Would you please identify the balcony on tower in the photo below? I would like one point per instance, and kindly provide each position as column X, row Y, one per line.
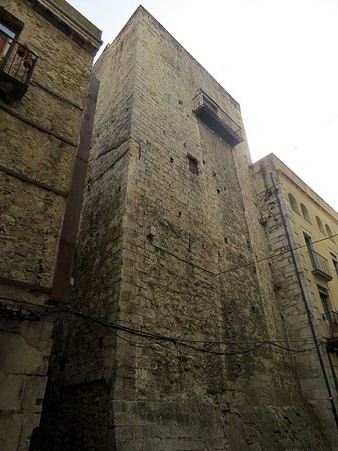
column 217, row 119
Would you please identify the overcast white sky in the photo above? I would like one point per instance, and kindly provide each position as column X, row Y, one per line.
column 278, row 58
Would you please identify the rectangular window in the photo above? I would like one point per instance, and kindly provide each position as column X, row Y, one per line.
column 334, row 261
column 329, row 314
column 325, row 300
column 10, row 28
column 6, row 38
column 309, row 245
column 17, row 61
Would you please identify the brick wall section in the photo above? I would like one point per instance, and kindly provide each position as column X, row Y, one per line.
column 154, row 238
column 39, row 136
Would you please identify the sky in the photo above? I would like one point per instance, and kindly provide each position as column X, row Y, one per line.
column 277, row 58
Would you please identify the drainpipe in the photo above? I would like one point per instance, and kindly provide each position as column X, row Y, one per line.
column 308, row 313
column 70, row 226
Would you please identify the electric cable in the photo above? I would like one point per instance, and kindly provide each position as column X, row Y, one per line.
column 177, row 341
column 236, row 268
column 154, row 336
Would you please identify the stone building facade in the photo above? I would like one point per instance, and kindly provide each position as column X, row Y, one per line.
column 174, row 346
column 306, row 280
column 46, row 54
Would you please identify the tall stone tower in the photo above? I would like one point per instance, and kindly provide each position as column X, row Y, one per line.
column 169, row 235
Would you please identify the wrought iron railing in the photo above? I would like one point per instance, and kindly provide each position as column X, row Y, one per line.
column 331, row 319
column 320, row 265
column 18, row 61
column 202, row 103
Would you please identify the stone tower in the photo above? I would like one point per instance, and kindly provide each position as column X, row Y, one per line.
column 169, row 233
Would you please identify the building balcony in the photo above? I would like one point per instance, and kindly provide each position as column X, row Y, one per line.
column 331, row 320
column 217, row 119
column 17, row 64
column 320, row 266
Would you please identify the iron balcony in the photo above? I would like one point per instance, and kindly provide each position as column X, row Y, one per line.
column 331, row 319
column 16, row 68
column 320, row 266
column 217, row 119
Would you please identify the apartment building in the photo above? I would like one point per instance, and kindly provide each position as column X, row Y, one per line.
column 305, row 278
column 46, row 54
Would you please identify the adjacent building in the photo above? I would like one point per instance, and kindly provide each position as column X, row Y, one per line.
column 46, row 54
column 306, row 279
column 180, row 340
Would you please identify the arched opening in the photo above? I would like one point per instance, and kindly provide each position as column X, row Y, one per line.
column 305, row 213
column 329, row 233
column 320, row 225
column 293, row 203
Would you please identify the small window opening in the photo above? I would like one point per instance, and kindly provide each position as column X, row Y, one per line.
column 293, row 203
column 62, row 364
column 193, row 165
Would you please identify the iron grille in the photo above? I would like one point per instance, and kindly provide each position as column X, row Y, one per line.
column 320, row 265
column 18, row 62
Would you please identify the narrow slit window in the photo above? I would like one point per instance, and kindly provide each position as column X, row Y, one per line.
column 193, row 165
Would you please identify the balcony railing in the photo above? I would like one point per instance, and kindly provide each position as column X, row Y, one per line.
column 331, row 319
column 16, row 68
column 320, row 266
column 217, row 119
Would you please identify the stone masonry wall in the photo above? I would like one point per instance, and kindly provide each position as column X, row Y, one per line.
column 39, row 135
column 83, row 364
column 54, row 101
column 157, row 251
column 289, row 293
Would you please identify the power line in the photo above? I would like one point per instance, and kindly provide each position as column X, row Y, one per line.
column 276, row 255
column 253, row 262
column 179, row 342
column 158, row 337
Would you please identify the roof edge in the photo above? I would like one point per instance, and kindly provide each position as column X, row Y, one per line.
column 62, row 11
column 298, row 181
